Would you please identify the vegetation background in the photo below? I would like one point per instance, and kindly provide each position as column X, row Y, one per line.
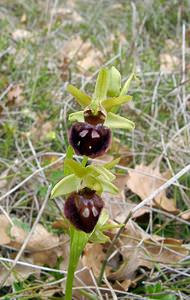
column 43, row 46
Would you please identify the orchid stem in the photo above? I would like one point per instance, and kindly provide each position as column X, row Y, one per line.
column 78, row 240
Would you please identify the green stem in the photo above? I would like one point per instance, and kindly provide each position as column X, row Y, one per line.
column 78, row 240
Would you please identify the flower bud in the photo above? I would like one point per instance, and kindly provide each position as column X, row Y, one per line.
column 90, row 140
column 83, row 209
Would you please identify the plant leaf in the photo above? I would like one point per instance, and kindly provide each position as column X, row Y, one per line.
column 114, row 83
column 109, row 103
column 65, row 186
column 77, row 116
column 127, row 84
column 116, row 121
column 82, row 98
column 102, row 84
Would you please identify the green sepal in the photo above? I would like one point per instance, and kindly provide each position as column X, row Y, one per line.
column 114, row 83
column 107, row 186
column 109, row 103
column 102, row 84
column 116, row 121
column 127, row 84
column 75, row 167
column 93, row 183
column 100, row 170
column 97, row 235
column 66, row 185
column 77, row 116
column 69, row 154
column 112, row 164
column 82, row 98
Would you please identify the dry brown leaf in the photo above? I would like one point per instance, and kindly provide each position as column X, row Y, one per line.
column 15, row 96
column 93, row 257
column 138, row 249
column 168, row 63
column 85, row 53
column 186, row 215
column 141, row 249
column 144, row 180
column 40, row 240
column 20, row 274
column 42, row 248
column 117, row 205
column 21, row 34
column 4, row 227
column 141, row 214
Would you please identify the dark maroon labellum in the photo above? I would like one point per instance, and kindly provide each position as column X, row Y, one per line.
column 89, row 140
column 92, row 119
column 83, row 209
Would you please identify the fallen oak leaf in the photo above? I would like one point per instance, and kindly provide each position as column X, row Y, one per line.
column 40, row 240
column 4, row 225
column 93, row 257
column 84, row 52
column 15, row 96
column 140, row 249
column 185, row 215
column 143, row 180
column 20, row 274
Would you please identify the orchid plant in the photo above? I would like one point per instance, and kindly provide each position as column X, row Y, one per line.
column 83, row 184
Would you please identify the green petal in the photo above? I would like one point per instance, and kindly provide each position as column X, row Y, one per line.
column 114, row 82
column 65, row 186
column 127, row 84
column 77, row 116
column 109, row 103
column 116, row 121
column 82, row 98
column 102, row 84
